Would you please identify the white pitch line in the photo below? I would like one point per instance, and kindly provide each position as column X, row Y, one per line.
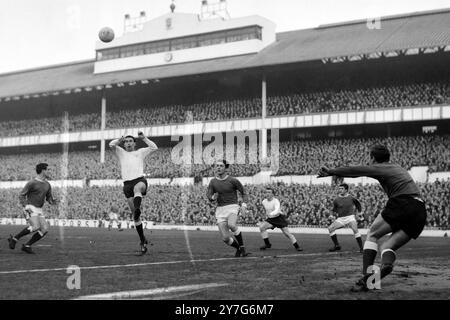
column 149, row 292
column 176, row 262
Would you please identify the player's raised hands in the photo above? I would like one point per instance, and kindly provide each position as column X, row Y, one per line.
column 141, row 135
column 323, row 172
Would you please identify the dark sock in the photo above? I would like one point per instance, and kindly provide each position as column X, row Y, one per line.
column 234, row 244
column 360, row 244
column 295, row 244
column 36, row 237
column 267, row 242
column 335, row 240
column 140, row 231
column 22, row 233
column 387, row 263
column 239, row 239
column 369, row 256
column 137, row 202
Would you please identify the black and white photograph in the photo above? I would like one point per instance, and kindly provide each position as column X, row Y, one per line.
column 224, row 157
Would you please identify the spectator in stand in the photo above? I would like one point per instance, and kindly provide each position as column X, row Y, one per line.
column 305, row 205
column 301, row 157
column 329, row 100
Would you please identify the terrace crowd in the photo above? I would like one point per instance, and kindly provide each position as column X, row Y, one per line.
column 305, row 205
column 302, row 157
column 301, row 102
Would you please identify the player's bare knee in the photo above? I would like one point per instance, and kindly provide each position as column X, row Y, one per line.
column 372, row 237
column 226, row 239
column 44, row 229
column 373, row 234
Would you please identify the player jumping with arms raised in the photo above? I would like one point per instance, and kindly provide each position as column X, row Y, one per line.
column 404, row 215
column 134, row 183
column 223, row 188
column 32, row 198
column 345, row 206
column 275, row 219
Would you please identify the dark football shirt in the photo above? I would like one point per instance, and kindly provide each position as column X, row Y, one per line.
column 227, row 190
column 395, row 180
column 35, row 193
column 346, row 206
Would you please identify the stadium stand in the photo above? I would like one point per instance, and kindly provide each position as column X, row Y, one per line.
column 393, row 96
column 305, row 205
column 302, row 157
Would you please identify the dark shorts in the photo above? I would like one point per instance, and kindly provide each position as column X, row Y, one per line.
column 405, row 213
column 278, row 222
column 128, row 187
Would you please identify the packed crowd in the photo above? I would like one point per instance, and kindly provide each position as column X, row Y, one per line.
column 296, row 158
column 304, row 157
column 360, row 99
column 286, row 104
column 304, row 205
column 29, row 127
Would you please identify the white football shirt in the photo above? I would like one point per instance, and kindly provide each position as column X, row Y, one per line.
column 132, row 163
column 273, row 208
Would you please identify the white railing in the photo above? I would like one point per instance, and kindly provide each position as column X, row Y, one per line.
column 421, row 113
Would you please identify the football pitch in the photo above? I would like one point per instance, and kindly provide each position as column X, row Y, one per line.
column 198, row 265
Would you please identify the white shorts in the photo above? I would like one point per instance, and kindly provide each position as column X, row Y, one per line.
column 345, row 221
column 224, row 213
column 35, row 212
column 113, row 216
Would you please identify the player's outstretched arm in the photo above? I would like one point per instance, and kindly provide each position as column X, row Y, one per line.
column 323, row 172
column 349, row 172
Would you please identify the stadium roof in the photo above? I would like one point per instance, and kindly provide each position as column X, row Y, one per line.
column 429, row 29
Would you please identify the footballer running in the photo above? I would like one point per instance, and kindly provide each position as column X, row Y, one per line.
column 223, row 188
column 32, row 198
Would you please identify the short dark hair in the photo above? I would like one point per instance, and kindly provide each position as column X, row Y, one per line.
column 380, row 153
column 227, row 165
column 129, row 136
column 271, row 189
column 344, row 185
column 40, row 167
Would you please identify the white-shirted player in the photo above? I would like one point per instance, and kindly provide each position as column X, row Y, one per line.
column 134, row 183
column 275, row 219
column 114, row 217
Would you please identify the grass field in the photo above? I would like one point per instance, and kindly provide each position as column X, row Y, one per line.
column 109, row 264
